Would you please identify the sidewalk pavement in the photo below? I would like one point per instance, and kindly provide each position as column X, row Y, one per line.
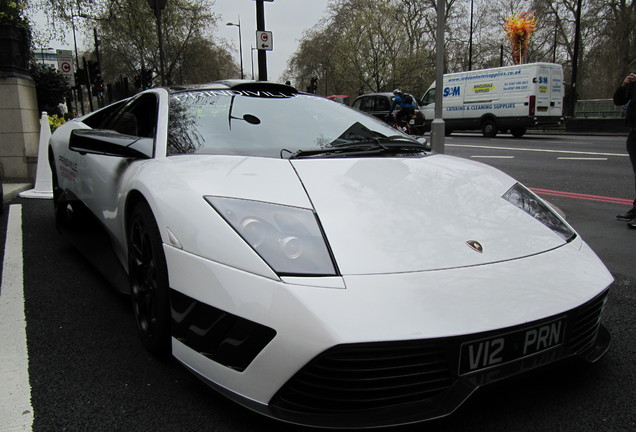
column 11, row 190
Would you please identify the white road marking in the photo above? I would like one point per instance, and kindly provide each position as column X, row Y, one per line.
column 539, row 150
column 583, row 158
column 492, row 157
column 16, row 411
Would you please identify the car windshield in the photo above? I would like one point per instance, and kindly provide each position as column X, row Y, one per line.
column 267, row 124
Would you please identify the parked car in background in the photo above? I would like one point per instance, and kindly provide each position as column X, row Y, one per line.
column 379, row 104
column 343, row 99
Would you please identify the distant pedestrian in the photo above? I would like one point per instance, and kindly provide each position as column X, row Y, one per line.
column 626, row 94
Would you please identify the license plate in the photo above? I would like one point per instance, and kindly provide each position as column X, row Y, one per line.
column 542, row 109
column 497, row 350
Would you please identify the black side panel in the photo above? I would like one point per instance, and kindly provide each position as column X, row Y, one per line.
column 220, row 336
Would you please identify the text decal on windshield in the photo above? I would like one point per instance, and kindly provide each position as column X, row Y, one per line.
column 198, row 95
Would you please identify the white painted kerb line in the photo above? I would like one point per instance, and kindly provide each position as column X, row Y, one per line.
column 491, row 157
column 16, row 412
column 539, row 150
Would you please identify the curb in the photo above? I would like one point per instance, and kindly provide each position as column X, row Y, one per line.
column 11, row 190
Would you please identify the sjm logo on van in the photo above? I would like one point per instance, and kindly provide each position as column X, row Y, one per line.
column 452, row 91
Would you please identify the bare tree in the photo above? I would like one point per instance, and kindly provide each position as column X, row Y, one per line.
column 128, row 37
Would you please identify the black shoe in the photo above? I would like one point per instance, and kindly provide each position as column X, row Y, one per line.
column 629, row 216
column 632, row 223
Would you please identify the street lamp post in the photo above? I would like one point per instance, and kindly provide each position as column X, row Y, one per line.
column 157, row 6
column 252, row 59
column 438, row 128
column 240, row 42
column 470, row 42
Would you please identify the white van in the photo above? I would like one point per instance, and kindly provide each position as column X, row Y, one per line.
column 499, row 99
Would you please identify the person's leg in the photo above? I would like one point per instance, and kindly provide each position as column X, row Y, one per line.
column 631, row 150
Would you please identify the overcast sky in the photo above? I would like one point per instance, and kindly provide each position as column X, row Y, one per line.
column 286, row 19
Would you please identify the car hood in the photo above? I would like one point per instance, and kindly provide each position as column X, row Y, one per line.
column 379, row 215
column 393, row 215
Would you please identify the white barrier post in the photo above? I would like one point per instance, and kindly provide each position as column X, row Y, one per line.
column 43, row 177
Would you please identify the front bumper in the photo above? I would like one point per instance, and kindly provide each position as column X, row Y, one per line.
column 392, row 383
column 377, row 350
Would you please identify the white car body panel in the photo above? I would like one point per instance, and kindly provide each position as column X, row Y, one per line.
column 416, row 305
column 379, row 214
column 349, row 195
column 185, row 180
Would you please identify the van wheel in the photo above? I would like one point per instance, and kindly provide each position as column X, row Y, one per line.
column 518, row 132
column 489, row 128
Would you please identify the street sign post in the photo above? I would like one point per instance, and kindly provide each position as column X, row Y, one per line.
column 65, row 65
column 264, row 40
column 262, row 51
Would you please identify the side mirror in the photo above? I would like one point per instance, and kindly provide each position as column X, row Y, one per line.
column 422, row 140
column 110, row 143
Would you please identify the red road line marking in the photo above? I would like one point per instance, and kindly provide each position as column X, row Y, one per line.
column 582, row 196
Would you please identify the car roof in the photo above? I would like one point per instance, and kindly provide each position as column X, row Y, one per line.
column 376, row 94
column 387, row 94
column 235, row 84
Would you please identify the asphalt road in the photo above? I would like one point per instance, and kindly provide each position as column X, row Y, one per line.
column 88, row 371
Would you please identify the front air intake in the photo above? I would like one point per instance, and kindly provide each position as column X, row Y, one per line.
column 370, row 376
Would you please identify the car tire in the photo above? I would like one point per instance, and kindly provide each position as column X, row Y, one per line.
column 148, row 275
column 518, row 132
column 489, row 128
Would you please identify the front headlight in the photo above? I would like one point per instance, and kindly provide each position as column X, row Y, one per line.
column 531, row 204
column 289, row 239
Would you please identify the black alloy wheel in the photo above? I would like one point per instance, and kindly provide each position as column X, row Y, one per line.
column 148, row 274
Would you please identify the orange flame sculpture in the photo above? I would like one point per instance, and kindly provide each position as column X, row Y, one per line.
column 519, row 30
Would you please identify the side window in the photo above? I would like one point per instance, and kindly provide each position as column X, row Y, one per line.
column 356, row 104
column 102, row 117
column 366, row 104
column 429, row 97
column 139, row 118
column 382, row 104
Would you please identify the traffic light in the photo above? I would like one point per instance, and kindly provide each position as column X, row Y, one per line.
column 138, row 81
column 80, row 77
column 93, row 70
column 147, row 79
column 99, row 85
column 314, row 85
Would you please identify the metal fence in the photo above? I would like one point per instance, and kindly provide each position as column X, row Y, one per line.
column 599, row 108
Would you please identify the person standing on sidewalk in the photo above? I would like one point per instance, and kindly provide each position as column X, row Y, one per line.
column 626, row 94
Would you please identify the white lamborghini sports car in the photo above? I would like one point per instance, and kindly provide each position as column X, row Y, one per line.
column 315, row 264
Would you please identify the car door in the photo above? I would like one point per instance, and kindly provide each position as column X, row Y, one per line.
column 103, row 177
column 382, row 105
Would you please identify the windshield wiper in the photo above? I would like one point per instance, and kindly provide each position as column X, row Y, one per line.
column 400, row 141
column 375, row 146
column 394, row 141
column 352, row 149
